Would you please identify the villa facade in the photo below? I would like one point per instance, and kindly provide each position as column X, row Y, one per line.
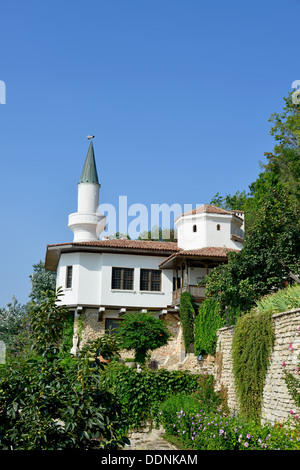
column 102, row 279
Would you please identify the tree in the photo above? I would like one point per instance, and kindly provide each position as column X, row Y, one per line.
column 119, row 235
column 142, row 332
column 11, row 323
column 47, row 322
column 41, row 281
column 159, row 234
column 281, row 170
column 286, row 128
column 270, row 251
column 231, row 202
column 48, row 404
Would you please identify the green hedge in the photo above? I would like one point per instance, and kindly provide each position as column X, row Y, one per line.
column 141, row 393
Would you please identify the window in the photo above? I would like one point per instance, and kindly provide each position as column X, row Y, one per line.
column 218, row 227
column 150, row 279
column 69, row 275
column 111, row 325
column 194, row 228
column 122, row 278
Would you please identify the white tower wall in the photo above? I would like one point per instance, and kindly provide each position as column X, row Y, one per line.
column 88, row 198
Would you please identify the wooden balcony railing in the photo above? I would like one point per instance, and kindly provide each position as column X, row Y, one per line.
column 196, row 291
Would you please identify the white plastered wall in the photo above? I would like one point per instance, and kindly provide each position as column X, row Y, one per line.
column 91, row 281
column 212, row 230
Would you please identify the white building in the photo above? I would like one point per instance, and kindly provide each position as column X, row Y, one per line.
column 106, row 278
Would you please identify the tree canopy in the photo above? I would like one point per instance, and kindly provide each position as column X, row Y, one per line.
column 271, row 248
column 41, row 281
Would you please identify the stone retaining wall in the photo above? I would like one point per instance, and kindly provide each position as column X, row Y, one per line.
column 277, row 403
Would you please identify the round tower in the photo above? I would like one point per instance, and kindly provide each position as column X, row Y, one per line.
column 87, row 223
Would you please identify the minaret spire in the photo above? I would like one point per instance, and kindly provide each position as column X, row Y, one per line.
column 89, row 172
column 87, row 223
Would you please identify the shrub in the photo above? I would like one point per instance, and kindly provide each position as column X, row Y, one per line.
column 185, row 406
column 141, row 393
column 177, row 413
column 192, row 426
column 142, row 332
column 46, row 406
column 283, row 300
column 50, row 403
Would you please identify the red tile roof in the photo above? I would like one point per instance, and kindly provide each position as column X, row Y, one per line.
column 208, row 209
column 125, row 243
column 216, row 251
column 207, row 252
column 155, row 248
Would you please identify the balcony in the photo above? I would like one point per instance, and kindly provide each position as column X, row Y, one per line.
column 196, row 291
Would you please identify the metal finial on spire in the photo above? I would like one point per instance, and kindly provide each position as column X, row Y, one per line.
column 90, row 137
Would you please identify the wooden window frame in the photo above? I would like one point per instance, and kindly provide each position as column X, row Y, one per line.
column 122, row 278
column 69, row 277
column 150, row 280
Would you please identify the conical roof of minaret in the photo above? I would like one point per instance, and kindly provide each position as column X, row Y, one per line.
column 89, row 172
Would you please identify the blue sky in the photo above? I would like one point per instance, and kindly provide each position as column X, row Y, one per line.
column 177, row 92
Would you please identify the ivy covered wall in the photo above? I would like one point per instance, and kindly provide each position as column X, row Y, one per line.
column 277, row 404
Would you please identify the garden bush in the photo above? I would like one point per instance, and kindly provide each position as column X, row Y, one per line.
column 203, row 398
column 141, row 393
column 283, row 300
column 47, row 406
column 190, row 425
column 142, row 332
column 50, row 402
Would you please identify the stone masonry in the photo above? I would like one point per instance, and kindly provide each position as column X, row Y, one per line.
column 277, row 403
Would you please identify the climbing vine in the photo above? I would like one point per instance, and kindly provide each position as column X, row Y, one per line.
column 207, row 323
column 253, row 341
column 187, row 319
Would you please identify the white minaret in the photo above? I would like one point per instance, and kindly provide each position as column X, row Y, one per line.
column 87, row 223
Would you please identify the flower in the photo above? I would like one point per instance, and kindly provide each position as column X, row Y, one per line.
column 248, row 436
column 283, row 364
column 246, row 444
